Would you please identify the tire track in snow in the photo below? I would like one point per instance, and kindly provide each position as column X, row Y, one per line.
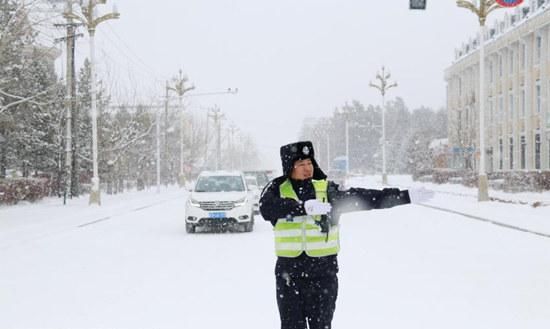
column 124, row 213
column 486, row 220
column 48, row 234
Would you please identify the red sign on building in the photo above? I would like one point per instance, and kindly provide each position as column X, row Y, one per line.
column 509, row 3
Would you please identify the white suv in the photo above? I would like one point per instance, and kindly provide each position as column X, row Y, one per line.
column 219, row 199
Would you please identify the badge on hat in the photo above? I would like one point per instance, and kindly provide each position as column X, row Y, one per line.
column 305, row 150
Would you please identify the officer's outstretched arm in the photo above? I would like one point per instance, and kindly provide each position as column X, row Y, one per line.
column 358, row 199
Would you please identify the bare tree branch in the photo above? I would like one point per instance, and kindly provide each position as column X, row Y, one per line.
column 131, row 142
column 20, row 99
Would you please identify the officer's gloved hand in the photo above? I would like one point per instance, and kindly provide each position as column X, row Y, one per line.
column 316, row 207
column 420, row 195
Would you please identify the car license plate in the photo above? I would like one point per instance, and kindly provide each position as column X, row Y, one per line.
column 216, row 215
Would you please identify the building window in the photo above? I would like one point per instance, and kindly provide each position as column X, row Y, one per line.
column 539, row 100
column 523, row 103
column 511, row 153
column 459, row 86
column 489, row 161
column 511, row 62
column 491, row 109
column 537, row 151
column 523, row 58
column 538, row 53
column 548, row 107
column 523, row 147
column 500, row 65
column 500, row 154
column 511, row 105
column 491, row 72
column 500, row 107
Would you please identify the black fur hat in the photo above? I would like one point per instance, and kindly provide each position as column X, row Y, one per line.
column 299, row 151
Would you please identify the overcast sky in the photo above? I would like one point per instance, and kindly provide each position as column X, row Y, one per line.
column 290, row 59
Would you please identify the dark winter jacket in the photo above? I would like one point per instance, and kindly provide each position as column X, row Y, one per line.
column 273, row 207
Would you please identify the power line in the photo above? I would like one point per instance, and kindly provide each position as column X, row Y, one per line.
column 130, row 69
column 145, row 65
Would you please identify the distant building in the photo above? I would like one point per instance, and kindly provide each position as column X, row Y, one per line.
column 517, row 103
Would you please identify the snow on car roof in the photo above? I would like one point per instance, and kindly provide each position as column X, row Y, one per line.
column 221, row 173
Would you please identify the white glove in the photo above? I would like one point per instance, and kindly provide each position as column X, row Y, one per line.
column 420, row 195
column 316, row 207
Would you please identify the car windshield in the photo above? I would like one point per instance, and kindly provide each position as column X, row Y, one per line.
column 251, row 182
column 220, row 184
column 261, row 177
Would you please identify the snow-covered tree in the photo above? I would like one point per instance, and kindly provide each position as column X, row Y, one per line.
column 426, row 125
column 408, row 135
column 398, row 133
column 31, row 99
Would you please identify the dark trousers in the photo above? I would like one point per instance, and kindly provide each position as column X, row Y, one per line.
column 305, row 299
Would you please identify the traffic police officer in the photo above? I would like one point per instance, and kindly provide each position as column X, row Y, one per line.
column 304, row 209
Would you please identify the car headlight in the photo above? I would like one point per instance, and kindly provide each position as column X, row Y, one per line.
column 194, row 202
column 240, row 202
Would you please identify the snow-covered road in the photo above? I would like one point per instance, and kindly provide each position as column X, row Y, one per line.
column 406, row 267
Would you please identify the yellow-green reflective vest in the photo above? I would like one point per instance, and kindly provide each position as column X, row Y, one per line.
column 301, row 234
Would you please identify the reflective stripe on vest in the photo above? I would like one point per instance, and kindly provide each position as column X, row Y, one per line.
column 301, row 234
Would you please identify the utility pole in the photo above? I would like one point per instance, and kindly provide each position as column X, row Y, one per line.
column 165, row 153
column 206, row 139
column 69, row 103
column 347, row 145
column 217, row 116
column 89, row 19
column 70, row 39
column 158, row 148
column 232, row 91
column 75, row 120
column 383, row 86
column 232, row 130
column 328, row 152
column 180, row 90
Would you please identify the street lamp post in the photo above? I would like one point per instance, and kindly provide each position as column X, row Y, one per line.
column 180, row 90
column 232, row 130
column 158, row 148
column 91, row 22
column 482, row 8
column 216, row 114
column 347, row 145
column 328, row 152
column 383, row 86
